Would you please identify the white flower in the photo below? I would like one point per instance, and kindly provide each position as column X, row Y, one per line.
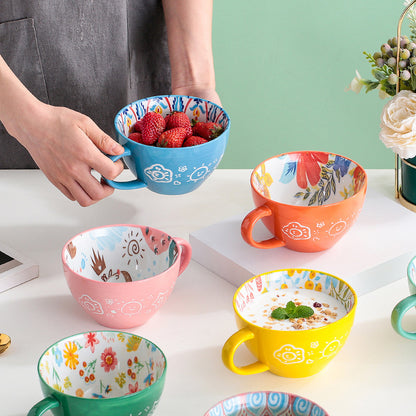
column 356, row 84
column 398, row 124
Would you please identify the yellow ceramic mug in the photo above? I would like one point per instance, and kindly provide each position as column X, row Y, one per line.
column 291, row 352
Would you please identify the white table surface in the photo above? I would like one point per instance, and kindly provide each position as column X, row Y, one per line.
column 374, row 373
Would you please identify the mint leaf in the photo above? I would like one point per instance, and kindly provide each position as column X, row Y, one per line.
column 291, row 311
column 279, row 313
column 303, row 311
column 290, row 307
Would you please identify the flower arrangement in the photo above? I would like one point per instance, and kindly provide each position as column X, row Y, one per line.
column 394, row 72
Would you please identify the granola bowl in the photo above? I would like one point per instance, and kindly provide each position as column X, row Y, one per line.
column 294, row 322
column 122, row 274
column 270, row 403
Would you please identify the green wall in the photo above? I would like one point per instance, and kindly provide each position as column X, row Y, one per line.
column 282, row 69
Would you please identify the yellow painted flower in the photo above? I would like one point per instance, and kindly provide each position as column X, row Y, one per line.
column 283, row 286
column 196, row 113
column 308, row 284
column 58, row 387
column 79, row 393
column 121, row 337
column 312, row 274
column 318, row 287
column 133, row 343
column 70, row 356
column 291, row 272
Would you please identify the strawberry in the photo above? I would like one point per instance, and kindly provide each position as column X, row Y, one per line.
column 172, row 138
column 137, row 126
column 153, row 124
column 178, row 119
column 208, row 130
column 193, row 141
column 136, row 137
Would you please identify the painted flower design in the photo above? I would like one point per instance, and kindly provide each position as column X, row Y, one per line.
column 288, row 354
column 133, row 388
column 91, row 340
column 297, row 231
column 264, row 181
column 309, row 169
column 358, row 179
column 159, row 173
column 90, row 305
column 108, row 359
column 149, row 379
column 58, row 356
column 133, row 343
column 70, row 355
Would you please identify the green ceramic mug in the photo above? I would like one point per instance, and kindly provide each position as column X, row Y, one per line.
column 101, row 373
column 407, row 303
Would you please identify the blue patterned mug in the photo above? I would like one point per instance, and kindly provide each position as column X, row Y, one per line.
column 270, row 403
column 170, row 171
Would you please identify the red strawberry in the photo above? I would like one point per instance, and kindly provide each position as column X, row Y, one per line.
column 137, row 126
column 193, row 141
column 179, row 119
column 136, row 137
column 153, row 124
column 172, row 138
column 208, row 130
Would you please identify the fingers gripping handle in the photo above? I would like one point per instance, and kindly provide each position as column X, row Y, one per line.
column 248, row 224
column 133, row 184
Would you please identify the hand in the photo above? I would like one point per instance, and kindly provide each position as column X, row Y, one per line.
column 201, row 92
column 67, row 146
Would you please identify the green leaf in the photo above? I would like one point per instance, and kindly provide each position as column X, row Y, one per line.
column 279, row 313
column 290, row 307
column 303, row 311
column 379, row 75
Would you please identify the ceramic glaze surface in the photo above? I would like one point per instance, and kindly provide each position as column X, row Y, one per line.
column 171, row 170
column 121, row 254
column 266, row 403
column 308, row 178
column 289, row 353
column 100, row 365
column 122, row 274
column 307, row 200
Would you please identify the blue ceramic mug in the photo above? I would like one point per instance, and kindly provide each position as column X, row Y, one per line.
column 405, row 304
column 170, row 171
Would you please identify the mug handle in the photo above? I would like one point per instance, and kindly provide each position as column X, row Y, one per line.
column 43, row 406
column 186, row 254
column 133, row 184
column 398, row 313
column 229, row 349
column 248, row 224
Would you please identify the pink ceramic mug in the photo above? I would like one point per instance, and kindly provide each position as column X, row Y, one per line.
column 122, row 274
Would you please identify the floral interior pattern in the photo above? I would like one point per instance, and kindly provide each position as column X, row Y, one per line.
column 102, row 365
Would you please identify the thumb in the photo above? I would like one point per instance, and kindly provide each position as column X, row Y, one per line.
column 102, row 140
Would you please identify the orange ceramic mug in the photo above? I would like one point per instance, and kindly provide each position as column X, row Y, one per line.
column 308, row 200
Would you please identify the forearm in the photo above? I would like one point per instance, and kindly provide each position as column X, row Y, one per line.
column 189, row 28
column 16, row 101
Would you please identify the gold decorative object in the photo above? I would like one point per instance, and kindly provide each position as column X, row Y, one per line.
column 5, row 342
column 398, row 190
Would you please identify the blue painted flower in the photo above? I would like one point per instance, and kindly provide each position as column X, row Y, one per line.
column 342, row 165
column 58, row 356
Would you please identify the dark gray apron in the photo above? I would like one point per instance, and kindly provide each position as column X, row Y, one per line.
column 93, row 56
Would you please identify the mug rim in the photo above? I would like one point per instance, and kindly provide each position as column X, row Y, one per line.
column 356, row 195
column 80, row 276
column 227, row 128
column 249, row 393
column 125, row 397
column 336, row 322
column 410, row 264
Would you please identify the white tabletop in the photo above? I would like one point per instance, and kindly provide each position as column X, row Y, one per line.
column 374, row 373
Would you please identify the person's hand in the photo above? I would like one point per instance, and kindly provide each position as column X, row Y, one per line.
column 200, row 92
column 67, row 146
